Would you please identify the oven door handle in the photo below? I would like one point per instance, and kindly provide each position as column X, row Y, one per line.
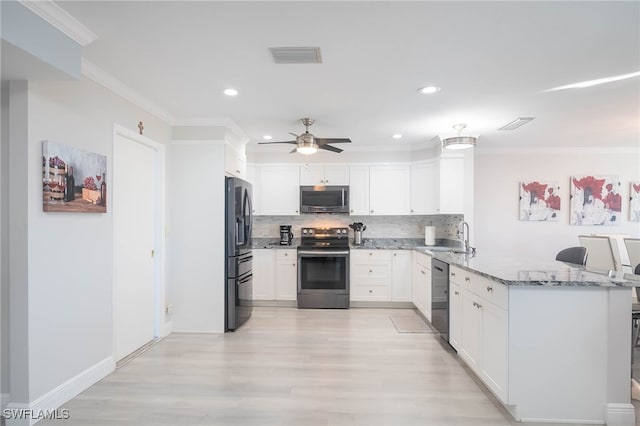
column 322, row 253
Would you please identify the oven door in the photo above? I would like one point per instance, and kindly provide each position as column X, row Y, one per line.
column 323, row 271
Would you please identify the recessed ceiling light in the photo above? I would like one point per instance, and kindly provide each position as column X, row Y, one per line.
column 428, row 90
column 590, row 83
column 230, row 92
column 267, row 137
column 397, row 136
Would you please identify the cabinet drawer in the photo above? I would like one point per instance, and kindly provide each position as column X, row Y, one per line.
column 459, row 276
column 286, row 255
column 422, row 259
column 370, row 292
column 370, row 256
column 493, row 291
column 372, row 270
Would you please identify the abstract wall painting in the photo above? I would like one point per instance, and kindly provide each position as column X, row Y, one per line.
column 73, row 180
column 539, row 201
column 634, row 202
column 595, row 200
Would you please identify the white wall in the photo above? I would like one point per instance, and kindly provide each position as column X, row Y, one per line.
column 69, row 257
column 497, row 178
column 195, row 242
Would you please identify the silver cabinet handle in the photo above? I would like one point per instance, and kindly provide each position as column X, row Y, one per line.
column 370, row 271
column 475, row 305
column 370, row 291
column 467, row 279
column 286, row 254
column 489, row 288
column 453, row 274
column 456, row 293
column 423, row 272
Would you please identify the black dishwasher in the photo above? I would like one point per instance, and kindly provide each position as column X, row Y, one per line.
column 440, row 297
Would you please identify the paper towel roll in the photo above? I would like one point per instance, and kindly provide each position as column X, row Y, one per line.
column 429, row 235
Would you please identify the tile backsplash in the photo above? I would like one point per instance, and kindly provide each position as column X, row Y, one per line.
column 377, row 226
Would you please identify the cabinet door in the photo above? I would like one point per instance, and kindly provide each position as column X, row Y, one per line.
column 253, row 179
column 471, row 330
column 389, row 190
column 336, row 175
column 422, row 290
column 451, row 188
column 359, row 191
column 286, row 275
column 279, row 190
column 264, row 274
column 401, row 282
column 494, row 358
column 424, row 184
column 455, row 315
column 311, row 175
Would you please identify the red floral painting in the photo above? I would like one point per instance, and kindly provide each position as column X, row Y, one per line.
column 634, row 202
column 539, row 201
column 595, row 200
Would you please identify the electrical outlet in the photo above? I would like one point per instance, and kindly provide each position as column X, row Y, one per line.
column 168, row 309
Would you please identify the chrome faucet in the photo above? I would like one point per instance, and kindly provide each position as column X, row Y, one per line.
column 465, row 236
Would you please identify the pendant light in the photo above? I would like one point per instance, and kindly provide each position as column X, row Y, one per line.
column 459, row 142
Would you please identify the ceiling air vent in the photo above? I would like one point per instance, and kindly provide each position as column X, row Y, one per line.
column 296, row 55
column 520, row 121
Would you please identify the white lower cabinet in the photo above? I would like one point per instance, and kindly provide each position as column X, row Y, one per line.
column 422, row 283
column 264, row 276
column 371, row 275
column 275, row 274
column 455, row 315
column 286, row 274
column 479, row 327
column 401, row 280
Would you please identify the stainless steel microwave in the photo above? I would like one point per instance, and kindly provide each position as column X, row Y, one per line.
column 324, row 199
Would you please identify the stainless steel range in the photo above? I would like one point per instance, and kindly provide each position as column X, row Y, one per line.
column 323, row 268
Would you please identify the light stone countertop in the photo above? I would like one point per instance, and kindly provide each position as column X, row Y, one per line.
column 514, row 271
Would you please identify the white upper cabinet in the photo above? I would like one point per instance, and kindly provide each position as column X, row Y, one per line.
column 389, row 190
column 451, row 185
column 235, row 161
column 278, row 192
column 252, row 178
column 424, row 181
column 324, row 175
column 359, row 190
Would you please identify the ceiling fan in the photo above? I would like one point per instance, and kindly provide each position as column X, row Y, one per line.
column 309, row 144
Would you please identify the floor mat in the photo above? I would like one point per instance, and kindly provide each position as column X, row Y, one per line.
column 410, row 324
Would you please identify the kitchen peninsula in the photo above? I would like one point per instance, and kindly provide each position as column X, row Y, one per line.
column 551, row 341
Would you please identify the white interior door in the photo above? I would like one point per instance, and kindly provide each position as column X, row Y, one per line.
column 134, row 209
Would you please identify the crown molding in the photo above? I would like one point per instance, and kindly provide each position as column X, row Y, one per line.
column 95, row 73
column 62, row 20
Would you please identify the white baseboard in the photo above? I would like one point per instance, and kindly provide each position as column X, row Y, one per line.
column 56, row 397
column 620, row 415
column 166, row 329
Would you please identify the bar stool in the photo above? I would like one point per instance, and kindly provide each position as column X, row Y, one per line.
column 574, row 255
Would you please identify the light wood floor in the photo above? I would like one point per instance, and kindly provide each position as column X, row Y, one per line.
column 293, row 367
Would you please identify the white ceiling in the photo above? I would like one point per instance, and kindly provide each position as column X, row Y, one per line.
column 493, row 61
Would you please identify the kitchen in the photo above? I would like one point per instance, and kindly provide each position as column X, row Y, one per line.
column 574, row 143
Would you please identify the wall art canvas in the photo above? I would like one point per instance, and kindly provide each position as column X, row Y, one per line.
column 539, row 201
column 73, row 180
column 634, row 202
column 595, row 200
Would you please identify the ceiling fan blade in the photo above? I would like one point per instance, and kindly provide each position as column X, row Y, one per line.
column 294, row 135
column 330, row 148
column 293, row 142
column 293, row 150
column 321, row 141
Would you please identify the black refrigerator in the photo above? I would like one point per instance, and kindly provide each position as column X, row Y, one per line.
column 239, row 258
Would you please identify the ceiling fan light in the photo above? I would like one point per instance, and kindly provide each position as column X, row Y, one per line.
column 307, row 150
column 459, row 142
